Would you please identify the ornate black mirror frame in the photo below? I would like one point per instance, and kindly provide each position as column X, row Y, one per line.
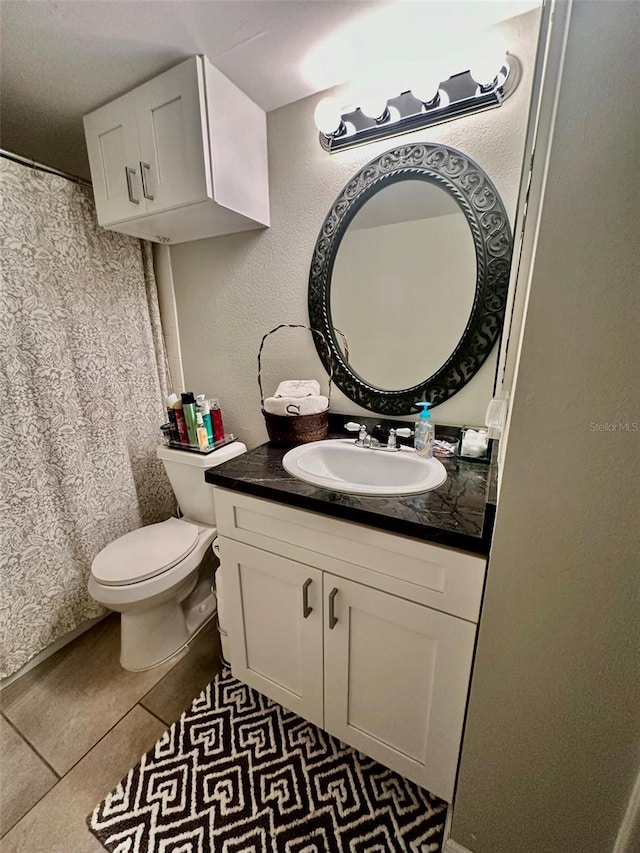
column 482, row 206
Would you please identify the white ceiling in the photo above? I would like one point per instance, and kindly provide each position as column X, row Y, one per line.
column 60, row 59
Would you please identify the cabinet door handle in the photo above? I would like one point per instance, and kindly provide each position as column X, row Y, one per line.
column 306, row 610
column 130, row 173
column 144, row 167
column 333, row 620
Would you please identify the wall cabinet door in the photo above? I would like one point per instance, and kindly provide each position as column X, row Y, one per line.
column 396, row 681
column 149, row 149
column 274, row 613
column 154, row 152
column 173, row 137
column 112, row 145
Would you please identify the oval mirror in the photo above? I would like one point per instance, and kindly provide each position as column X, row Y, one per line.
column 411, row 269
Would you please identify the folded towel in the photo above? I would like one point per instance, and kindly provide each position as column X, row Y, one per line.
column 294, row 406
column 298, row 388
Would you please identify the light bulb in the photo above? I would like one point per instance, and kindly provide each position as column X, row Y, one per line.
column 425, row 89
column 485, row 66
column 327, row 116
column 373, row 105
column 394, row 115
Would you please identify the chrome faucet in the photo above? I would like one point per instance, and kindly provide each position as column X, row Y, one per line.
column 368, row 441
column 363, row 439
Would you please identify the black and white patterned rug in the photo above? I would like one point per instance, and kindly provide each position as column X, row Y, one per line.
column 240, row 774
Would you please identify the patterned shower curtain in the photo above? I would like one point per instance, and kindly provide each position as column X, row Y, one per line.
column 82, row 383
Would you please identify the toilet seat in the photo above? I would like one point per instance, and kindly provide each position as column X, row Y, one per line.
column 145, row 553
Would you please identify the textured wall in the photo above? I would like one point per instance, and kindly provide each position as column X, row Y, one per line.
column 551, row 746
column 231, row 290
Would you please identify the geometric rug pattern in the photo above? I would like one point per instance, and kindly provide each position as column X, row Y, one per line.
column 238, row 773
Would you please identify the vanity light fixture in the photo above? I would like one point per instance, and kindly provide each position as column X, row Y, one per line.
column 421, row 106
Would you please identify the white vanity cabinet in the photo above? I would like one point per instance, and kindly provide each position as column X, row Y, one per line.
column 369, row 635
column 179, row 158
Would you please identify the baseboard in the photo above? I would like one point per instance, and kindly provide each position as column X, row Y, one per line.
column 451, row 846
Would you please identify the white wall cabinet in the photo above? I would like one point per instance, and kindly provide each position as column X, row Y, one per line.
column 322, row 620
column 180, row 158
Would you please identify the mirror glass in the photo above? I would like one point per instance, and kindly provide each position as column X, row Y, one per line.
column 403, row 283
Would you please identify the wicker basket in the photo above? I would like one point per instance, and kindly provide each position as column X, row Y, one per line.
column 287, row 431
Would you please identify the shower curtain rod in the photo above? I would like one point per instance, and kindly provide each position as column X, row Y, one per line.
column 9, row 155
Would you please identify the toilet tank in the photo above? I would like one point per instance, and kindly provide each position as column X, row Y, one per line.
column 186, row 475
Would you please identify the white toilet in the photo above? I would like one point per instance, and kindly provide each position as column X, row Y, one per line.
column 150, row 576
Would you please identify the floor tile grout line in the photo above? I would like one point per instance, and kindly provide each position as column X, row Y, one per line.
column 31, row 808
column 60, row 778
column 153, row 713
column 62, row 775
column 119, row 720
column 102, row 737
column 167, row 673
column 31, row 746
column 42, row 796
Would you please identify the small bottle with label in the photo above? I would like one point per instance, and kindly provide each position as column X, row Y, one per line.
column 174, row 435
column 201, row 433
column 216, row 420
column 189, row 412
column 204, row 407
column 181, row 424
column 424, row 433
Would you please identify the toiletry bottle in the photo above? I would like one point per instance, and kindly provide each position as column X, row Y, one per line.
column 174, row 435
column 424, row 433
column 216, row 420
column 183, row 435
column 189, row 410
column 204, row 408
column 201, row 433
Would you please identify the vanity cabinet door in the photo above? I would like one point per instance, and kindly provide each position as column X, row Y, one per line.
column 396, row 681
column 112, row 145
column 274, row 616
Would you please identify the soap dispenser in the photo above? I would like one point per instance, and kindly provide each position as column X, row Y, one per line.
column 424, row 433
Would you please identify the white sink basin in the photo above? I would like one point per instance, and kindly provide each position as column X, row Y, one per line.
column 342, row 467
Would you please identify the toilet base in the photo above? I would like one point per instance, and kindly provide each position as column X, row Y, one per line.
column 151, row 637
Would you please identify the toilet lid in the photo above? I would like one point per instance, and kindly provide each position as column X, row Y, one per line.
column 145, row 553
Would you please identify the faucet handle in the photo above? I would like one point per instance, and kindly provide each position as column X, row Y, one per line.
column 352, row 427
column 404, row 432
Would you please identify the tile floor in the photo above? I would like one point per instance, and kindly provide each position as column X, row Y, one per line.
column 72, row 727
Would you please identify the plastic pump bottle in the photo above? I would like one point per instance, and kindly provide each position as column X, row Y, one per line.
column 424, row 433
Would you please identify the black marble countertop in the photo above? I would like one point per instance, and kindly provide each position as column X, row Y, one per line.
column 458, row 514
